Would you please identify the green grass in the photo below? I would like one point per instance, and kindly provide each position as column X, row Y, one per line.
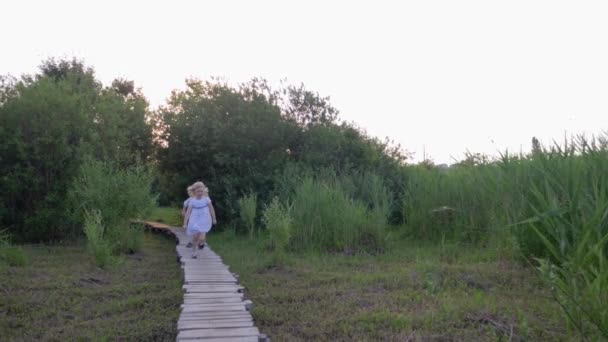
column 167, row 215
column 62, row 296
column 414, row 290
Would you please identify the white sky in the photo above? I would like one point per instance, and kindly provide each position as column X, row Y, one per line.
column 441, row 75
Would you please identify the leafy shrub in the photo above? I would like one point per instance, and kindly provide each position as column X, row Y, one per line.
column 97, row 244
column 118, row 195
column 9, row 254
column 247, row 211
column 278, row 221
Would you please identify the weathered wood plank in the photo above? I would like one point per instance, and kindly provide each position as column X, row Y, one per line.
column 227, row 339
column 211, row 288
column 209, row 333
column 225, row 308
column 195, row 306
column 213, row 295
column 213, row 300
column 214, row 325
column 214, row 316
column 211, row 278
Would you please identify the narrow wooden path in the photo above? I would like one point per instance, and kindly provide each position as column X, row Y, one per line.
column 214, row 308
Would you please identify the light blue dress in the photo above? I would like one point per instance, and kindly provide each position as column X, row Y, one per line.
column 200, row 217
column 186, row 203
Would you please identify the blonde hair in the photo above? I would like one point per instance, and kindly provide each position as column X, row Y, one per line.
column 200, row 185
column 190, row 191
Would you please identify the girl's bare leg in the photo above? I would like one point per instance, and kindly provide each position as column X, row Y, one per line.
column 202, row 239
column 195, row 239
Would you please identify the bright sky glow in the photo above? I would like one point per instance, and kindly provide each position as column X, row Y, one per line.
column 443, row 76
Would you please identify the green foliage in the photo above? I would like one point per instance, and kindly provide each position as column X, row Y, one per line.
column 168, row 215
column 48, row 124
column 98, row 245
column 119, row 195
column 277, row 219
column 247, row 211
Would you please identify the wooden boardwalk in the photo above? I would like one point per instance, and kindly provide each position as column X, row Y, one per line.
column 214, row 308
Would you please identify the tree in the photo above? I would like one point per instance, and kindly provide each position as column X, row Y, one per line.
column 48, row 123
column 233, row 139
column 307, row 108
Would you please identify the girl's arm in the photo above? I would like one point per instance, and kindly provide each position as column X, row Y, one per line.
column 187, row 216
column 212, row 211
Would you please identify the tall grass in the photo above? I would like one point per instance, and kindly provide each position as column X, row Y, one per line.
column 98, row 246
column 559, row 192
column 10, row 254
column 326, row 218
column 571, row 221
column 277, row 218
column 247, row 212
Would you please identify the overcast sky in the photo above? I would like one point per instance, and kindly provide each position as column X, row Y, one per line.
column 444, row 76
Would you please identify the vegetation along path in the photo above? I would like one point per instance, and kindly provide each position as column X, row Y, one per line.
column 214, row 308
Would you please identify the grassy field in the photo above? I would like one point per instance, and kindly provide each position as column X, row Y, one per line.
column 412, row 292
column 61, row 296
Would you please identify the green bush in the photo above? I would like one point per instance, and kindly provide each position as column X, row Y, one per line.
column 13, row 256
column 247, row 211
column 98, row 245
column 278, row 222
column 119, row 195
column 9, row 254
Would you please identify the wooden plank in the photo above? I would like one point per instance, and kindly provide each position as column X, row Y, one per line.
column 210, row 281
column 210, row 274
column 217, row 313
column 211, row 278
column 212, row 308
column 227, row 339
column 210, row 333
column 214, row 325
column 211, row 288
column 212, row 300
column 190, row 306
column 220, row 281
column 225, row 320
column 213, row 295
column 214, row 316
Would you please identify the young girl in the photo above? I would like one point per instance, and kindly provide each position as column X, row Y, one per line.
column 190, row 195
column 185, row 207
column 199, row 216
